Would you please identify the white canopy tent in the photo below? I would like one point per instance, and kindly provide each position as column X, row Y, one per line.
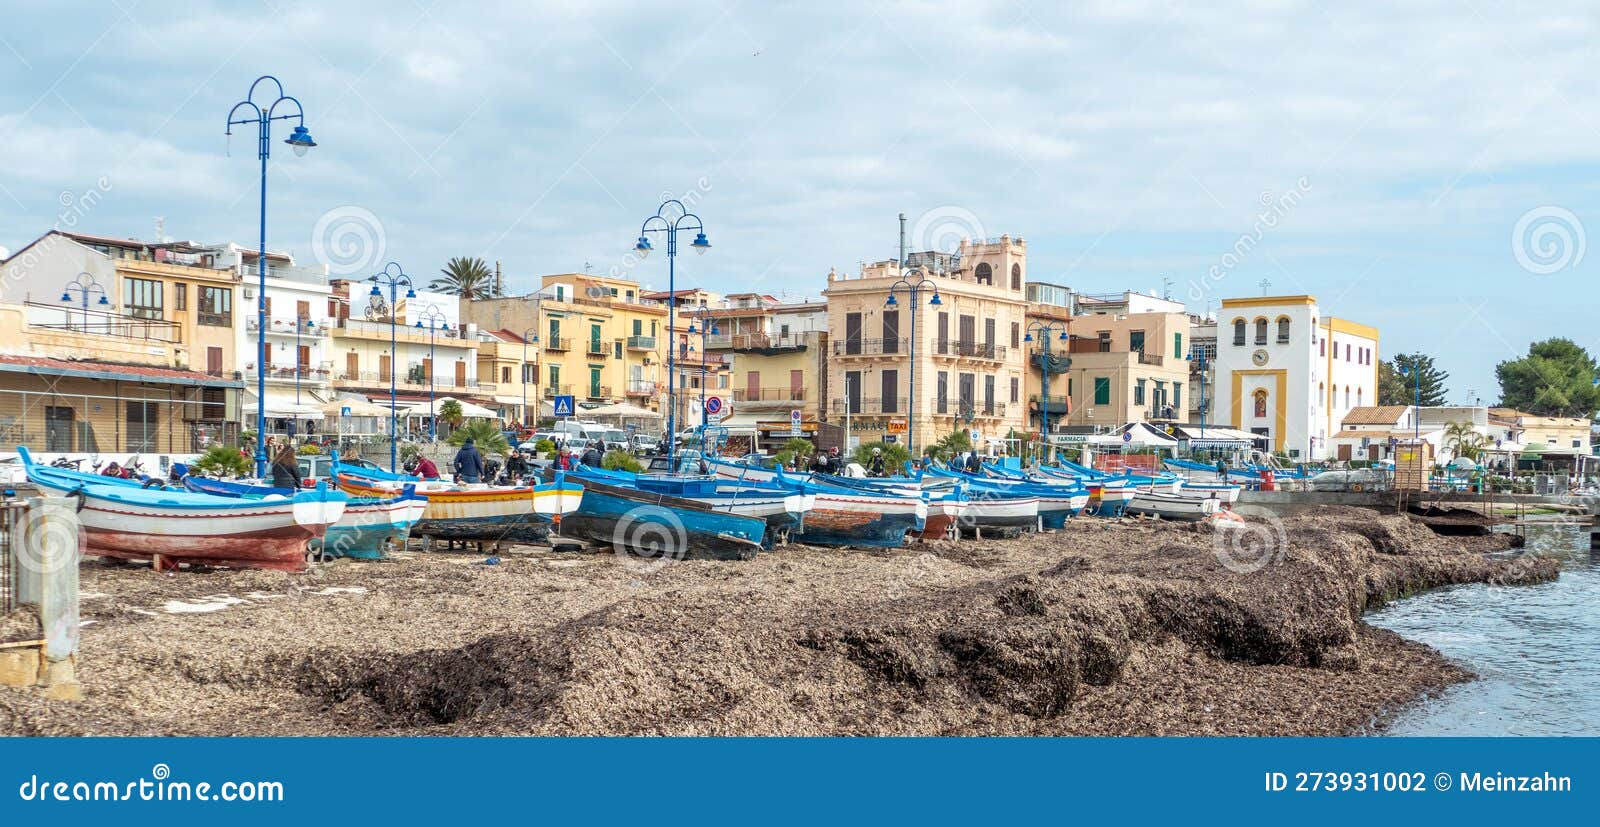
column 468, row 410
column 1136, row 435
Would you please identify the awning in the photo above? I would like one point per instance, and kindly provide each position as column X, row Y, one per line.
column 282, row 404
column 468, row 410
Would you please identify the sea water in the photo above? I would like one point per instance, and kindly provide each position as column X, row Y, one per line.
column 1535, row 649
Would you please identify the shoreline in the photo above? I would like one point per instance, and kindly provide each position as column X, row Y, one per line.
column 1108, row 628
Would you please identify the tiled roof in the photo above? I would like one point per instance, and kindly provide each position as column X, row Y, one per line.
column 45, row 364
column 1375, row 415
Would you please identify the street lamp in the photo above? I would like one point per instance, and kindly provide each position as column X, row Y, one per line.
column 1044, row 330
column 85, row 286
column 262, row 115
column 392, row 276
column 915, row 289
column 1416, row 408
column 301, row 324
column 659, row 223
column 436, row 321
column 705, row 330
column 528, row 335
column 1199, row 355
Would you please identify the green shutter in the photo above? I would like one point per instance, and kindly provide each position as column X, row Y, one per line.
column 1102, row 390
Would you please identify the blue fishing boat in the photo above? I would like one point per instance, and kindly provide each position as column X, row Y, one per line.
column 781, row 508
column 471, row 513
column 659, row 525
column 368, row 529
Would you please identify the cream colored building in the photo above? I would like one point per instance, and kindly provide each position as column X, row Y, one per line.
column 777, row 356
column 969, row 356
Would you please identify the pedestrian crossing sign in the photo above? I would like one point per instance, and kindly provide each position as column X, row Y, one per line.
column 563, row 406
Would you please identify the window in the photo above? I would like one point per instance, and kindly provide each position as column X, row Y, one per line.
column 1136, row 341
column 988, row 393
column 1358, row 396
column 141, row 298
column 983, row 274
column 216, row 306
column 180, row 296
column 1016, row 338
column 561, row 292
column 505, row 375
column 1105, row 341
column 1283, row 330
column 943, row 345
column 1016, row 276
column 1261, row 331
column 1238, row 332
column 1177, row 344
column 555, row 378
column 1177, row 395
column 941, row 398
column 1347, row 353
column 852, row 333
column 1102, row 390
column 638, row 327
column 1016, row 390
column 616, row 350
column 1138, row 392
column 554, row 339
column 891, row 331
column 1322, row 349
column 143, row 421
column 889, row 386
column 1347, row 396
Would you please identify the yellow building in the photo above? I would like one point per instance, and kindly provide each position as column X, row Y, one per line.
column 776, row 355
column 969, row 357
column 507, row 366
column 114, row 345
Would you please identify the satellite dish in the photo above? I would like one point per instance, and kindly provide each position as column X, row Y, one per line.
column 596, row 292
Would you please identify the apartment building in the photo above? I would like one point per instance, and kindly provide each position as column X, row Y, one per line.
column 777, row 356
column 966, row 355
column 118, row 345
column 433, row 353
column 602, row 340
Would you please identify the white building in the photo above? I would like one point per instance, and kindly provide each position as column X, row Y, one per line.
column 434, row 354
column 1287, row 372
column 300, row 317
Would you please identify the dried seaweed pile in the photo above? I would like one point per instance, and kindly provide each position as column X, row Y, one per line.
column 1108, row 628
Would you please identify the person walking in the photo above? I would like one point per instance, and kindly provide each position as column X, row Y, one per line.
column 285, row 469
column 875, row 465
column 592, row 456
column 469, row 463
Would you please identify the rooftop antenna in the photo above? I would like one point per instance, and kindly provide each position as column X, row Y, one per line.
column 161, row 229
column 587, row 267
column 499, row 283
column 1265, row 285
column 1166, row 288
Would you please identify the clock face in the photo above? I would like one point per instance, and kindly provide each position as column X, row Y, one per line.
column 1259, row 357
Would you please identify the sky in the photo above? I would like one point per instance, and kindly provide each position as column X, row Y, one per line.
column 1427, row 170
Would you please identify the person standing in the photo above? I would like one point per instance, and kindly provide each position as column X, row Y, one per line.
column 469, row 463
column 592, row 456
column 285, row 469
column 875, row 465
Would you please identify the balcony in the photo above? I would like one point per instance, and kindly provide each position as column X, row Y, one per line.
column 598, row 393
column 769, row 394
column 966, row 410
column 557, row 343
column 641, row 387
column 755, row 342
column 962, row 349
column 287, row 373
column 1055, row 401
column 869, row 406
column 286, row 327
column 380, row 331
column 642, row 343
column 1164, row 413
column 594, row 347
column 552, row 391
column 1151, row 359
column 872, row 347
column 409, row 381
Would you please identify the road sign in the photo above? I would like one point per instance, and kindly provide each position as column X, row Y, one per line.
column 974, row 436
column 716, row 407
column 1127, row 436
column 563, row 405
column 794, row 419
column 344, row 411
column 891, row 438
column 897, row 426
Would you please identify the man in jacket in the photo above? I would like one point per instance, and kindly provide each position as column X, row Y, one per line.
column 426, row 469
column 592, row 456
column 875, row 466
column 469, row 463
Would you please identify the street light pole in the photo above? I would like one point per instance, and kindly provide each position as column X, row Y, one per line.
column 705, row 330
column 659, row 223
column 85, row 286
column 300, row 141
column 1045, row 329
column 1200, row 356
column 436, row 321
column 527, row 336
column 915, row 289
column 300, row 324
column 392, row 276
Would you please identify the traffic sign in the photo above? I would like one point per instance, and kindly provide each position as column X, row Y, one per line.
column 974, row 436
column 1127, row 436
column 563, row 406
column 794, row 419
column 716, row 407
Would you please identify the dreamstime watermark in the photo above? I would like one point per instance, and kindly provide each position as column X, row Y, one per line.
column 1274, row 209
column 942, row 229
column 1547, row 240
column 52, row 538
column 648, row 538
column 1249, row 546
column 157, row 786
column 349, row 240
column 74, row 208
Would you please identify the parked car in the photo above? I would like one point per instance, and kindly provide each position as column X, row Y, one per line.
column 645, row 444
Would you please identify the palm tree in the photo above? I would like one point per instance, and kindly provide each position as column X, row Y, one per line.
column 469, row 278
column 486, row 435
column 450, row 413
column 1461, row 439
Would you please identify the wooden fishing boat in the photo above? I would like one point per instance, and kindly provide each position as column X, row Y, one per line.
column 944, row 515
column 475, row 513
column 368, row 529
column 783, row 509
column 125, row 519
column 651, row 524
column 840, row 515
column 1169, row 506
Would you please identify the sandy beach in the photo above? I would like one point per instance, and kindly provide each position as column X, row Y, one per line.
column 1109, row 628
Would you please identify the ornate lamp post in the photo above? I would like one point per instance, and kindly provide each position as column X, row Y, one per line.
column 1198, row 356
column 392, row 276
column 262, row 115
column 915, row 289
column 705, row 330
column 302, row 324
column 436, row 321
column 85, row 286
column 659, row 223
column 1045, row 329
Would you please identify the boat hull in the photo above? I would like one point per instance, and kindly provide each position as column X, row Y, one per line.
column 656, row 525
column 1171, row 506
column 991, row 512
column 842, row 519
column 367, row 529
column 511, row 514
